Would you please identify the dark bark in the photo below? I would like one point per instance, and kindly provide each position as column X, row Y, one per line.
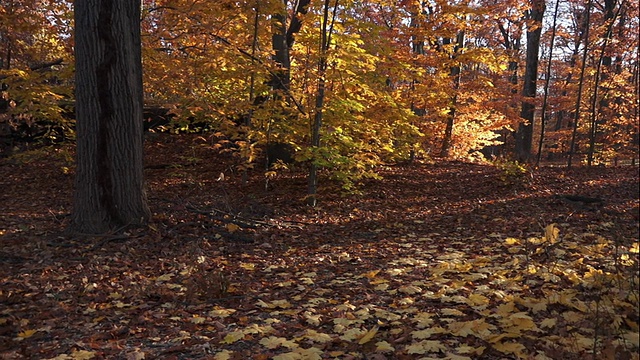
column 603, row 68
column 547, row 79
column 451, row 116
column 109, row 185
column 327, row 30
column 282, row 40
column 524, row 134
column 585, row 51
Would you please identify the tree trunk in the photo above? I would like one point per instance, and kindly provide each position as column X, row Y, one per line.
column 451, row 116
column 603, row 70
column 282, row 40
column 109, row 185
column 325, row 39
column 547, row 79
column 576, row 114
column 524, row 134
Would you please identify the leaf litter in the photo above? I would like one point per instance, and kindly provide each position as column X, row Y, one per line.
column 435, row 261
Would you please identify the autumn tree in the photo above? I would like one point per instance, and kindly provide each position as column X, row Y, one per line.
column 109, row 186
column 35, row 55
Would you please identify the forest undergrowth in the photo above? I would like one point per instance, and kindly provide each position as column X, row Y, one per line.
column 442, row 260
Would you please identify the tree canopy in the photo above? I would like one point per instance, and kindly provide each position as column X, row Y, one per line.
column 402, row 78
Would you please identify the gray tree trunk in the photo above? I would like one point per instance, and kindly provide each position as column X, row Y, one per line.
column 109, row 185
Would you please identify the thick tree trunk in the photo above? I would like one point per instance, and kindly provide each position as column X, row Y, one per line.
column 109, row 188
column 524, row 134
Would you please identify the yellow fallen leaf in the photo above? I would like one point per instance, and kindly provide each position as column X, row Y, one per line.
column 165, row 277
column 510, row 348
column 232, row 227
column 83, row 355
column 382, row 287
column 248, row 266
column 288, row 356
column 317, row 336
column 426, row 333
column 383, row 346
column 368, row 335
column 223, row 355
column 410, row 289
column 274, row 342
column 477, row 299
column 222, row 313
column 371, row 274
column 451, row 312
column 511, row 241
column 197, row 319
column 548, row 323
column 233, row 337
column 26, row 334
column 425, row 346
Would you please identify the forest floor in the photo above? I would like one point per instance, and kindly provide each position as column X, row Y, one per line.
column 435, row 261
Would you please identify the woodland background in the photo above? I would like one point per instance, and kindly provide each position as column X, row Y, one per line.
column 441, row 229
column 399, row 79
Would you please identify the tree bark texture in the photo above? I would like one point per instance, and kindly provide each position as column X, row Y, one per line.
column 524, row 134
column 451, row 116
column 109, row 185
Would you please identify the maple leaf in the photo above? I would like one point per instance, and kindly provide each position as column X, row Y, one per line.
column 425, row 346
column 522, row 321
column 477, row 299
column 451, row 312
column 198, row 319
column 423, row 319
column 426, row 333
column 232, row 337
column 510, row 348
column 317, row 336
column 410, row 289
column 465, row 349
column 273, row 342
column 312, row 319
column 352, row 334
column 383, row 346
column 451, row 356
column 222, row 313
column 382, row 287
column 548, row 323
column 462, row 328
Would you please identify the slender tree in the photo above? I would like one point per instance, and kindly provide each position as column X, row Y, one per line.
column 109, row 185
column 524, row 134
column 547, row 79
column 585, row 52
column 325, row 40
column 451, row 115
column 603, row 69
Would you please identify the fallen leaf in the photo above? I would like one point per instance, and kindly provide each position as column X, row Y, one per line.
column 368, row 335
